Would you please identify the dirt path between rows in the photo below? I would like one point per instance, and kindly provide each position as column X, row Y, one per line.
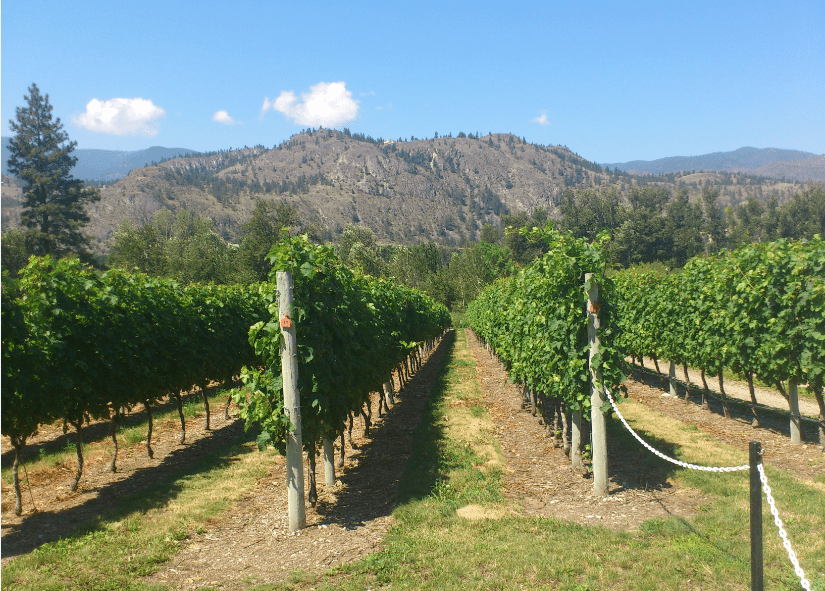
column 251, row 543
column 738, row 389
column 539, row 476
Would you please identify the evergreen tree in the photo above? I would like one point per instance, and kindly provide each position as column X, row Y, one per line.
column 54, row 201
column 684, row 226
column 15, row 250
column 804, row 215
column 267, row 225
column 714, row 219
column 643, row 235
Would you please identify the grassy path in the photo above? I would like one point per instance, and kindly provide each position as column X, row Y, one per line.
column 456, row 530
column 454, row 526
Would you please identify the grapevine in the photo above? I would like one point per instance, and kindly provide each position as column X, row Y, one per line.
column 536, row 322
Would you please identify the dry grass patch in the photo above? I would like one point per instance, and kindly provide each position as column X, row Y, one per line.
column 466, row 419
column 478, row 512
column 145, row 530
column 695, row 446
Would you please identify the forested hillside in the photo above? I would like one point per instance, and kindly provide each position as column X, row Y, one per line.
column 443, row 189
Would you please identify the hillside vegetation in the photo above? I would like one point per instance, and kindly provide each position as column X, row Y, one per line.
column 768, row 162
column 443, row 189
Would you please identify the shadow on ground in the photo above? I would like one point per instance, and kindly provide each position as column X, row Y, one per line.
column 777, row 420
column 371, row 489
column 146, row 488
column 100, row 430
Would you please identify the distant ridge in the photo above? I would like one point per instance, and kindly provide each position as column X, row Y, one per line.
column 109, row 165
column 806, row 166
column 443, row 189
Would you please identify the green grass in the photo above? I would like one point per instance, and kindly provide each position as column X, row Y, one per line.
column 431, row 546
column 458, row 319
column 146, row 530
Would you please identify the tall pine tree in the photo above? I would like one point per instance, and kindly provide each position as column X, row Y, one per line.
column 54, row 209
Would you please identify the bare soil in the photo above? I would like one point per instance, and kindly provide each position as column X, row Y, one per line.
column 739, row 389
column 251, row 543
column 539, row 476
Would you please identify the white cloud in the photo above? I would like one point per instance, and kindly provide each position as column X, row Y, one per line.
column 541, row 119
column 327, row 104
column 121, row 116
column 265, row 106
column 370, row 93
column 223, row 117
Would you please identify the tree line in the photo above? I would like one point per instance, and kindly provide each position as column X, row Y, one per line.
column 654, row 224
column 651, row 224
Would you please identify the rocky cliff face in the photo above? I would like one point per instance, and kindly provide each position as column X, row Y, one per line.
column 442, row 189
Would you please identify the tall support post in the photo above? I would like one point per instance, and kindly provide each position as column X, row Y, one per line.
column 793, row 402
column 329, row 462
column 756, row 517
column 597, row 397
column 671, row 378
column 576, row 439
column 292, row 404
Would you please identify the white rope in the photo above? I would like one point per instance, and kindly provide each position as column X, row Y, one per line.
column 668, row 458
column 782, row 533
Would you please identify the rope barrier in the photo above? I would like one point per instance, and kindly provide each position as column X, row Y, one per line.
column 668, row 458
column 762, row 477
column 782, row 533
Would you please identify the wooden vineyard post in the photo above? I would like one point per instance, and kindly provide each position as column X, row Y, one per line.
column 793, row 402
column 576, row 439
column 292, row 404
column 757, row 575
column 329, row 463
column 597, row 398
column 671, row 378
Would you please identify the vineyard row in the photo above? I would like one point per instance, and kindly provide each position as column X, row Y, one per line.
column 77, row 346
column 758, row 311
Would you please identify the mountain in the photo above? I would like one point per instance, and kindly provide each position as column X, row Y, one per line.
column 441, row 189
column 798, row 170
column 769, row 162
column 108, row 165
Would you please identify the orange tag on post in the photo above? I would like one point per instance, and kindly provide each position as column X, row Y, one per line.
column 286, row 322
column 594, row 308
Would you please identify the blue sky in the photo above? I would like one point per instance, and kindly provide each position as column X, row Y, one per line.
column 611, row 81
